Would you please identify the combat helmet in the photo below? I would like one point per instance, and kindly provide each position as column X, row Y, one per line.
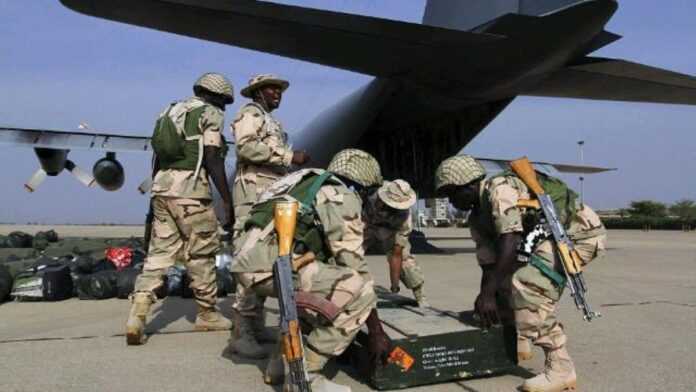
column 216, row 83
column 262, row 80
column 458, row 170
column 358, row 166
column 397, row 194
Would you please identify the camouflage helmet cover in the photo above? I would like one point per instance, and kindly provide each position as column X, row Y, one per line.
column 358, row 166
column 458, row 170
column 216, row 83
column 397, row 194
column 259, row 81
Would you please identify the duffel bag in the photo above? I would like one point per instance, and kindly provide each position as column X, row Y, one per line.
column 47, row 282
column 126, row 281
column 5, row 282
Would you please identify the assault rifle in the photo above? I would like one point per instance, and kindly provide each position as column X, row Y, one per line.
column 565, row 250
column 285, row 217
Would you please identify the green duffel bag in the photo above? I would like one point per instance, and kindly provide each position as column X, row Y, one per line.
column 20, row 239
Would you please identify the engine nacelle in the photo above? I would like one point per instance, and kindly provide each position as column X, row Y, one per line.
column 109, row 173
column 52, row 161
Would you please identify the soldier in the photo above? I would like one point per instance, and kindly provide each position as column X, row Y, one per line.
column 185, row 226
column 497, row 225
column 387, row 217
column 339, row 273
column 263, row 156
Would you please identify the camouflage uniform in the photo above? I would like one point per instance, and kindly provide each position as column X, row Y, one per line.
column 534, row 295
column 344, row 280
column 388, row 230
column 263, row 156
column 185, row 226
column 263, row 153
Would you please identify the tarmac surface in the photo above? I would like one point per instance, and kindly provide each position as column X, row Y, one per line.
column 646, row 340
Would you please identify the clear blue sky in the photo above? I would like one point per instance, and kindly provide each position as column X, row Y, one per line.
column 59, row 68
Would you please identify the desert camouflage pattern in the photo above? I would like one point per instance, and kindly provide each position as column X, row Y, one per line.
column 344, row 279
column 397, row 194
column 458, row 170
column 390, row 230
column 263, row 156
column 534, row 296
column 181, row 183
column 216, row 83
column 182, row 230
column 261, row 80
column 358, row 166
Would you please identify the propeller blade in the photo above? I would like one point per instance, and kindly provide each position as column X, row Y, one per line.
column 80, row 174
column 145, row 186
column 35, row 180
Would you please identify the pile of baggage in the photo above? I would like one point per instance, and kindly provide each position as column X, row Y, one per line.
column 88, row 269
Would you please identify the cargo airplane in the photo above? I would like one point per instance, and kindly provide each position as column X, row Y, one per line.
column 436, row 84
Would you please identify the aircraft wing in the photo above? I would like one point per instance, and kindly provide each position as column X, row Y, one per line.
column 493, row 165
column 67, row 140
column 618, row 80
column 386, row 47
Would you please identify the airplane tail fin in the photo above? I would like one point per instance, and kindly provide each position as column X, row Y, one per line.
column 466, row 15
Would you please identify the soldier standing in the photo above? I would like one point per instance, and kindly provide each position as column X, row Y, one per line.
column 333, row 232
column 263, row 156
column 497, row 226
column 190, row 148
column 387, row 217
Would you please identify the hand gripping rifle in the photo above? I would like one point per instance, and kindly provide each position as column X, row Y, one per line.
column 285, row 217
column 570, row 260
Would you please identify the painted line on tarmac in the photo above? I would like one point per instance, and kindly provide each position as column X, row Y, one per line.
column 119, row 335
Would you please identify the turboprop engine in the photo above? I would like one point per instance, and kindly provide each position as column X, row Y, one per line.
column 109, row 173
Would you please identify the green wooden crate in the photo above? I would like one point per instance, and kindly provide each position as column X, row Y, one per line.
column 433, row 346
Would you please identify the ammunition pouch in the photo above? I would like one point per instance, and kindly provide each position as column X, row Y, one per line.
column 307, row 301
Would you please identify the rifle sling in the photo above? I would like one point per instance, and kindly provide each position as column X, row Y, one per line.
column 538, row 263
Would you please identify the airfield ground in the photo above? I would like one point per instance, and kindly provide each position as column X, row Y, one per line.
column 646, row 341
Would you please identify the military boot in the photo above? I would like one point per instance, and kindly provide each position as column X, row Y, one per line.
column 135, row 326
column 209, row 319
column 261, row 333
column 275, row 368
column 243, row 340
column 558, row 376
column 420, row 297
column 524, row 349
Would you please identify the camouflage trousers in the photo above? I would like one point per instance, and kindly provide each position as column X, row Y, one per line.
column 411, row 274
column 535, row 296
column 182, row 230
column 343, row 287
column 246, row 193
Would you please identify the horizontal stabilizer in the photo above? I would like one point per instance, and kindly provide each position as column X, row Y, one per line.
column 617, row 80
column 369, row 45
column 493, row 166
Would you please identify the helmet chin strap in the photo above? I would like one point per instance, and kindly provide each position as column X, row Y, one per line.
column 264, row 103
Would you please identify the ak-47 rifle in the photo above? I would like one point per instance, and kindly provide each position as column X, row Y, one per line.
column 570, row 260
column 285, row 217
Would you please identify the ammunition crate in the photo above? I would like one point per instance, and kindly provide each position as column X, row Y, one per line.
column 432, row 346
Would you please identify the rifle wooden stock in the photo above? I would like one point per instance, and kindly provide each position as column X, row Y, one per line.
column 302, row 261
column 285, row 218
column 529, row 203
column 525, row 171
